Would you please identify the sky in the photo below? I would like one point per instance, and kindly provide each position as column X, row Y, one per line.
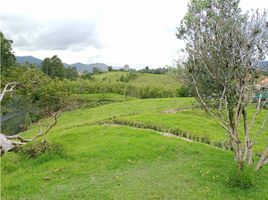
column 115, row 32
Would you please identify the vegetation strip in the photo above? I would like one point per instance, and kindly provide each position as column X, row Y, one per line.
column 165, row 131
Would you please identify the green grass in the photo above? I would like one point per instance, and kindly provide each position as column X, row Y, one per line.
column 168, row 80
column 143, row 85
column 197, row 123
column 150, row 111
column 124, row 163
column 94, row 100
column 111, row 97
column 121, row 162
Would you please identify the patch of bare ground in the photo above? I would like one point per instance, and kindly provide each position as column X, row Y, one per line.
column 173, row 111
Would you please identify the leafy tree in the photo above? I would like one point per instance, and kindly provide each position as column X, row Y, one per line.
column 7, row 57
column 35, row 96
column 53, row 67
column 71, row 73
column 87, row 75
column 154, row 71
column 223, row 46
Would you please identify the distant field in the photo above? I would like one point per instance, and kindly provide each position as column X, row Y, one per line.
column 169, row 80
column 123, row 162
column 140, row 85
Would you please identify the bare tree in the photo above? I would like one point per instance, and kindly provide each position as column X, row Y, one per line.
column 223, row 48
column 7, row 89
column 7, row 142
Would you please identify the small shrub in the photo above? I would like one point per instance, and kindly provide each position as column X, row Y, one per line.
column 242, row 179
column 39, row 147
column 205, row 139
column 183, row 91
column 218, row 144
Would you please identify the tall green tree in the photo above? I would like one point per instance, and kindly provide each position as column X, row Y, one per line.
column 7, row 57
column 223, row 46
column 53, row 67
column 71, row 73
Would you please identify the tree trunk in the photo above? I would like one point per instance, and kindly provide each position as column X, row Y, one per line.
column 263, row 160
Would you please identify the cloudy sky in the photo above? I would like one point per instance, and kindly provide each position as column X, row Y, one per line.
column 116, row 32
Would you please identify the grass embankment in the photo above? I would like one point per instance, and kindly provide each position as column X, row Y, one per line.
column 120, row 162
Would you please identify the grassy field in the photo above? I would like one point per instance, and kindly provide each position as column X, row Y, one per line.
column 123, row 162
column 140, row 85
column 141, row 78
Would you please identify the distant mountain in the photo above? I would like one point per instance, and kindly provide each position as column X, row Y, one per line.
column 29, row 59
column 66, row 65
column 79, row 66
column 32, row 60
column 89, row 67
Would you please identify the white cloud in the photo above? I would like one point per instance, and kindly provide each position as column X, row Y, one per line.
column 118, row 32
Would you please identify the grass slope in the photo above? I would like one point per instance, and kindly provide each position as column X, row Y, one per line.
column 141, row 78
column 162, row 81
column 152, row 111
column 119, row 162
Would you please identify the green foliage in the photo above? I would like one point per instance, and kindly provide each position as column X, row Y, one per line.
column 7, row 57
column 35, row 96
column 110, row 68
column 154, row 71
column 128, row 77
column 71, row 73
column 87, row 76
column 132, row 84
column 244, row 179
column 53, row 67
column 184, row 91
column 133, row 90
column 35, row 87
column 217, row 33
column 37, row 148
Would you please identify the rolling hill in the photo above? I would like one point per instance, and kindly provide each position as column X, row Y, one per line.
column 29, row 59
column 89, row 67
column 99, row 158
column 79, row 66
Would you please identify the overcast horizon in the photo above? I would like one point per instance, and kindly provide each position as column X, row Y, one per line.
column 138, row 33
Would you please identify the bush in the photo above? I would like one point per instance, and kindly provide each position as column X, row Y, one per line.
column 183, row 91
column 36, row 148
column 242, row 179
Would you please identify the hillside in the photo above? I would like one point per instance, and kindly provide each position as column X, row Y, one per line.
column 105, row 156
column 29, row 59
column 134, row 84
column 79, row 66
column 140, row 78
column 89, row 67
